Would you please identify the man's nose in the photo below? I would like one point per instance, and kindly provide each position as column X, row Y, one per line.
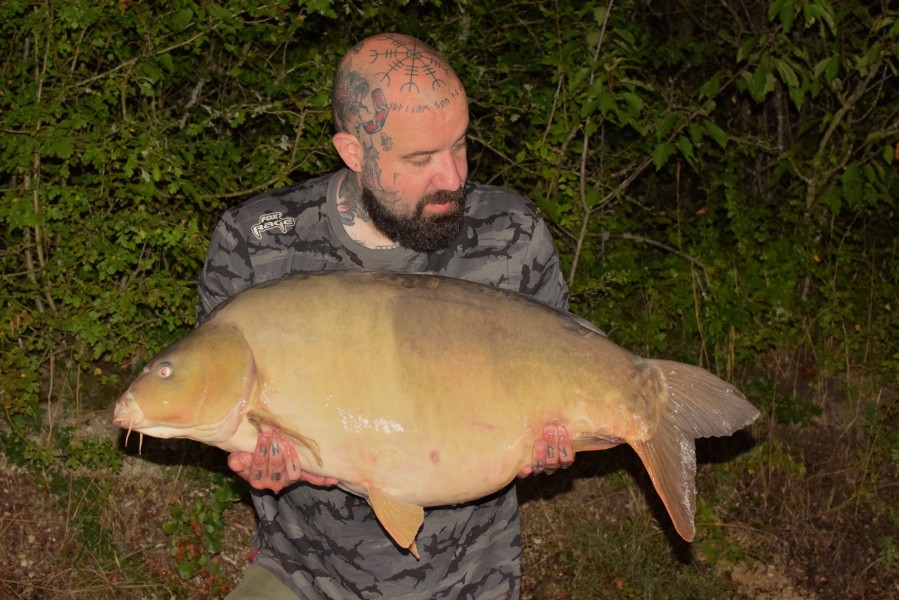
column 450, row 173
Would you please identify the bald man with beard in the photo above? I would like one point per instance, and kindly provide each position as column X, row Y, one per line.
column 403, row 203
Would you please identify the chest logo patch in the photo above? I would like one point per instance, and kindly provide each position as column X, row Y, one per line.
column 272, row 220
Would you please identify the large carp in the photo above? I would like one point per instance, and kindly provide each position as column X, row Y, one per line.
column 420, row 390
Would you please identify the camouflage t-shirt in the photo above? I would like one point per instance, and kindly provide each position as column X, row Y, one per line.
column 326, row 543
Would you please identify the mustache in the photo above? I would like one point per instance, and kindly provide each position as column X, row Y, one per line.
column 443, row 197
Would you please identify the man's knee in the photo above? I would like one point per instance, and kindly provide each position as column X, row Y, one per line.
column 259, row 584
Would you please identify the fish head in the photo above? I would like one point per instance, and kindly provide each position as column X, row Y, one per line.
column 197, row 388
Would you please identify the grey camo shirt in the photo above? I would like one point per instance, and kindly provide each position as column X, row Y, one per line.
column 326, row 543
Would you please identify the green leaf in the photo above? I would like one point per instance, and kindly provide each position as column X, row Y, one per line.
column 787, row 74
column 219, row 12
column 774, row 9
column 833, row 199
column 149, row 70
column 634, row 102
column 870, row 58
column 696, row 131
column 578, row 77
column 181, row 19
column 716, row 133
column 685, row 147
column 710, row 88
column 61, row 147
column 747, row 47
column 819, row 9
column 760, row 83
column 661, row 154
column 607, row 103
column 666, row 126
column 187, row 569
column 787, row 14
column 853, row 187
column 589, row 108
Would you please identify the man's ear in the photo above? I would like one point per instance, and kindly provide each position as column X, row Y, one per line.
column 349, row 149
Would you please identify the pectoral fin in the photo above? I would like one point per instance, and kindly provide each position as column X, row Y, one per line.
column 261, row 418
column 402, row 521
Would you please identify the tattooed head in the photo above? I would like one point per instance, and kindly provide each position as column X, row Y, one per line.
column 386, row 73
column 402, row 118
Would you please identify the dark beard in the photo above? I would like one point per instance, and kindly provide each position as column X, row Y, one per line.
column 417, row 232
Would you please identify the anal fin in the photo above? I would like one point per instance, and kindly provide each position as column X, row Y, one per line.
column 402, row 521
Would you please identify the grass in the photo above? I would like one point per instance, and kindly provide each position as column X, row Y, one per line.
column 608, row 536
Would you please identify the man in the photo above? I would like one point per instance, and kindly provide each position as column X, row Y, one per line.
column 403, row 204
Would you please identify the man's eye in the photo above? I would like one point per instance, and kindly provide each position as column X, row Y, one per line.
column 421, row 163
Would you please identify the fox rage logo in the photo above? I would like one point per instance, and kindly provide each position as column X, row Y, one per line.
column 270, row 221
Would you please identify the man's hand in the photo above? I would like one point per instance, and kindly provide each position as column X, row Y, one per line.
column 274, row 464
column 552, row 452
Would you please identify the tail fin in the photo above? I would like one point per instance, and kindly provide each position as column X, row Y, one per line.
column 699, row 404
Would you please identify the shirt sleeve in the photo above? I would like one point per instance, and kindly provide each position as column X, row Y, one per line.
column 227, row 270
column 541, row 275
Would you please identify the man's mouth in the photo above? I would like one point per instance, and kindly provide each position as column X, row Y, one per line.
column 440, row 207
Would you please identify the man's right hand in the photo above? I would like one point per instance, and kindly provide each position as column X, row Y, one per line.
column 273, row 465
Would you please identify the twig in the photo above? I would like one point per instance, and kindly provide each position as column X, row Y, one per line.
column 607, row 235
column 582, row 175
column 132, row 61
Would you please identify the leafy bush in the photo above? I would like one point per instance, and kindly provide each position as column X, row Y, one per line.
column 721, row 184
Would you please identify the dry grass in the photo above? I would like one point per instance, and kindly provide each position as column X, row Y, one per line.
column 100, row 535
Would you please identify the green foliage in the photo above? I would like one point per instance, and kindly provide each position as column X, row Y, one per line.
column 713, row 196
column 889, row 549
column 791, row 409
column 196, row 531
column 125, row 129
column 717, row 209
column 770, row 456
column 63, row 452
column 712, row 541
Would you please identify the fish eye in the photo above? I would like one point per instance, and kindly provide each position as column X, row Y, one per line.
column 164, row 370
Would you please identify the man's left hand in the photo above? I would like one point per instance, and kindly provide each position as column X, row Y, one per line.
column 552, row 452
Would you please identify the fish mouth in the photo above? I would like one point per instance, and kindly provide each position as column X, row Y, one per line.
column 127, row 413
